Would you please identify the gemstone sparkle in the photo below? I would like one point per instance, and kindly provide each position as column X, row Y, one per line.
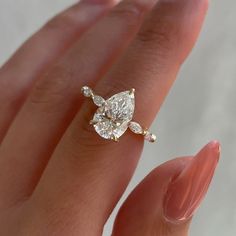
column 98, row 100
column 150, row 137
column 135, row 127
column 87, row 92
column 113, row 117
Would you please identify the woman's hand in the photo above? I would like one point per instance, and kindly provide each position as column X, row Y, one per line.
column 57, row 176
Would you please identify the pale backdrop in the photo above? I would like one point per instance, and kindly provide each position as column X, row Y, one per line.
column 200, row 107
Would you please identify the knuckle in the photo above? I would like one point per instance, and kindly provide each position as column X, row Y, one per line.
column 159, row 40
column 129, row 12
column 158, row 36
column 49, row 92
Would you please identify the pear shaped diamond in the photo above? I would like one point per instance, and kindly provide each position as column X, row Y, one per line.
column 112, row 119
column 115, row 115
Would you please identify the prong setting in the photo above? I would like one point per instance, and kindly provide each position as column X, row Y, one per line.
column 132, row 91
column 93, row 122
column 114, row 138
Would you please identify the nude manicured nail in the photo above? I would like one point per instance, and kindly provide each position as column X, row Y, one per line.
column 186, row 192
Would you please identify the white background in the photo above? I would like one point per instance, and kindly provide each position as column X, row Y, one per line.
column 200, row 107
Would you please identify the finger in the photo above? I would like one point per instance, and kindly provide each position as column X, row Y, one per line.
column 40, row 51
column 97, row 171
column 46, row 113
column 165, row 201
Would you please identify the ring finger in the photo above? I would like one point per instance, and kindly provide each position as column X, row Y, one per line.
column 97, row 171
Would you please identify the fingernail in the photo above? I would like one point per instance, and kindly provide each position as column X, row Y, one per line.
column 186, row 192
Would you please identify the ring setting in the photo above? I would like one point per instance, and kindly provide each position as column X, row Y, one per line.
column 115, row 115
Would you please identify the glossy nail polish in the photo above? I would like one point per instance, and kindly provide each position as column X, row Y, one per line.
column 186, row 192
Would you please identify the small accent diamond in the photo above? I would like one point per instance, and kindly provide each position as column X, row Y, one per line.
column 150, row 137
column 135, row 127
column 87, row 92
column 98, row 100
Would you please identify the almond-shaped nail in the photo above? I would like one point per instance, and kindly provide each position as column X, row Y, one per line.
column 186, row 192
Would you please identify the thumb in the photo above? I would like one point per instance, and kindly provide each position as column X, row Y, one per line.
column 165, row 201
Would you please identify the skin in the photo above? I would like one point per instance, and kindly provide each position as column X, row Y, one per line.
column 57, row 177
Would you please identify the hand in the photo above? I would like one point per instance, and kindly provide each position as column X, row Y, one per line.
column 57, row 176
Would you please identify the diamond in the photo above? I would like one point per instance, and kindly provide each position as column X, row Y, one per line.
column 121, row 106
column 114, row 116
column 87, row 92
column 135, row 127
column 98, row 100
column 150, row 137
column 104, row 129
